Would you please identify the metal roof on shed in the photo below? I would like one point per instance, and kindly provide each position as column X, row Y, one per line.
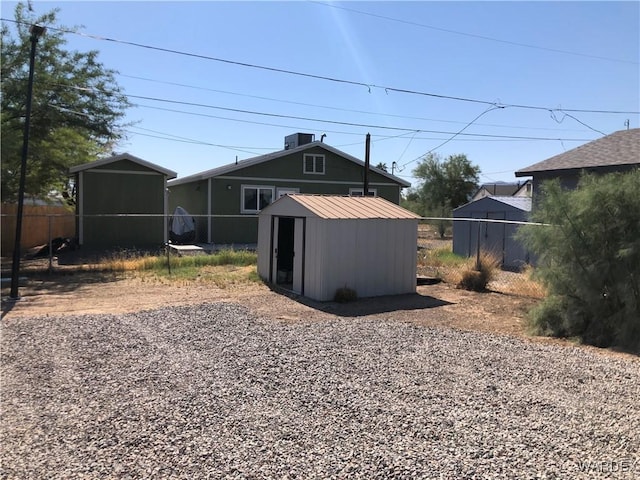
column 345, row 207
column 521, row 203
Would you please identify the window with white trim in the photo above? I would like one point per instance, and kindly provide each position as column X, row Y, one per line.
column 313, row 164
column 281, row 192
column 359, row 192
column 255, row 198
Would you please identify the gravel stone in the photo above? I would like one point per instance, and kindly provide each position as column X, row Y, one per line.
column 213, row 391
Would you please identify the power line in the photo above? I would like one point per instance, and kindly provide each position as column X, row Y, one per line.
column 329, row 107
column 472, row 35
column 352, row 124
column 327, row 78
column 406, row 130
column 357, row 134
column 178, row 138
column 490, row 109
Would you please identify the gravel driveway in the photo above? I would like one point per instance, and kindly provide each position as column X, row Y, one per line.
column 212, row 391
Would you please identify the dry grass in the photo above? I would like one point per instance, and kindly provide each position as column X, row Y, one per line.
column 479, row 272
column 522, row 283
column 438, row 260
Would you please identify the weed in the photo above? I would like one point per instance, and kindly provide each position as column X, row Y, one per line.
column 479, row 272
column 345, row 294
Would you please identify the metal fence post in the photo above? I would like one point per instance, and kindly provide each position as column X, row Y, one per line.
column 50, row 246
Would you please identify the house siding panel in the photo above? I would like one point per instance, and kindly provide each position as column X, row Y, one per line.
column 122, row 193
column 124, row 165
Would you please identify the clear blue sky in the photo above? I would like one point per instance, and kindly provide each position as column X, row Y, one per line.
column 558, row 55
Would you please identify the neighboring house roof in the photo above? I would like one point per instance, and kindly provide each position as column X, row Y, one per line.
column 619, row 148
column 499, row 188
column 524, row 189
column 521, row 203
column 123, row 156
column 215, row 172
column 345, row 207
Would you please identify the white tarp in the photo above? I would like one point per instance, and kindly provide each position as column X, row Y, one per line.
column 183, row 226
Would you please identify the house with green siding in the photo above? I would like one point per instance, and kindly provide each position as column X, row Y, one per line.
column 121, row 201
column 226, row 201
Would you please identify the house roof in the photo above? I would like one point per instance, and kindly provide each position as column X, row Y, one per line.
column 123, row 156
column 619, row 148
column 215, row 172
column 346, row 207
column 521, row 203
column 500, row 188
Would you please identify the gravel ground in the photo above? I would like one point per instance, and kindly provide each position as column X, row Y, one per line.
column 212, row 391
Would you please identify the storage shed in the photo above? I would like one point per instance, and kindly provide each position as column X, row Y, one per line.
column 495, row 237
column 121, row 202
column 315, row 244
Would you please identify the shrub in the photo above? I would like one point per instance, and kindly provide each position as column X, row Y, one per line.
column 479, row 272
column 589, row 259
column 344, row 295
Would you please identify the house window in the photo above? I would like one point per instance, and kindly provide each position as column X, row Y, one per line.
column 281, row 192
column 313, row 164
column 359, row 192
column 255, row 198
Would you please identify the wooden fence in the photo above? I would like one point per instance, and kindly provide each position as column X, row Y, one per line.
column 39, row 224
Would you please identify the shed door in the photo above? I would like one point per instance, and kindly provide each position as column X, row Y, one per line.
column 288, row 253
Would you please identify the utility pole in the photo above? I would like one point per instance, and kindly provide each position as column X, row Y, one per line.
column 36, row 32
column 365, row 190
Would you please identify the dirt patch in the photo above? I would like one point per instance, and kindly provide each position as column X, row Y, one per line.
column 437, row 305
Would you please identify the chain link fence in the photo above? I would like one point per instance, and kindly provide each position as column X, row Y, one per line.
column 448, row 247
column 444, row 257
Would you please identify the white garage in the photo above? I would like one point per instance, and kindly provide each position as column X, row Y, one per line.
column 315, row 244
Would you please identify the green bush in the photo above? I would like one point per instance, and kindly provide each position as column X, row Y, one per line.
column 589, row 259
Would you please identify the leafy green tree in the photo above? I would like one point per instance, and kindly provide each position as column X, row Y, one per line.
column 445, row 184
column 382, row 166
column 77, row 107
column 589, row 259
column 411, row 201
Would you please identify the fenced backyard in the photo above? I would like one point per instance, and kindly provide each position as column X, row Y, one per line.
column 151, row 376
column 43, row 226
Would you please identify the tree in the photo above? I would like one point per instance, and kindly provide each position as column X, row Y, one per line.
column 589, row 259
column 445, row 185
column 76, row 107
column 411, row 201
column 382, row 166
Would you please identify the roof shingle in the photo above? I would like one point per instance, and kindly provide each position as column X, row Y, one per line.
column 619, row 148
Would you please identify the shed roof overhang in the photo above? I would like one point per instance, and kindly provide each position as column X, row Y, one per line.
column 124, row 156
